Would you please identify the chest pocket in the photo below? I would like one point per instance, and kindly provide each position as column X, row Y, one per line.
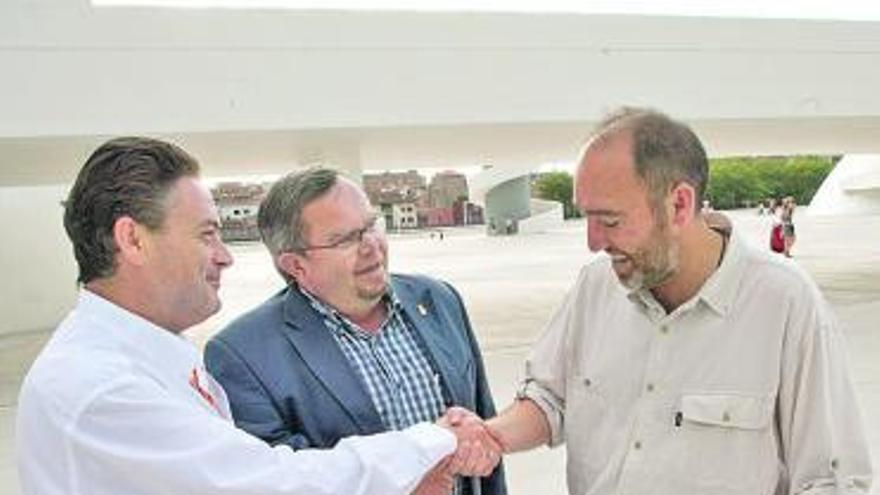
column 728, row 441
column 727, row 411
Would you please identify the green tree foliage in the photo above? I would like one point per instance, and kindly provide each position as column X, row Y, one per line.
column 556, row 186
column 744, row 181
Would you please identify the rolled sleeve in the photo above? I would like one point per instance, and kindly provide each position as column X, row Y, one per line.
column 547, row 367
column 549, row 404
column 821, row 426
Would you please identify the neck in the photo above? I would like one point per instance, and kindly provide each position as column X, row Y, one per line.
column 132, row 299
column 700, row 252
column 369, row 318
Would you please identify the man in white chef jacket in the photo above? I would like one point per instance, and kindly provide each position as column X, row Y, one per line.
column 119, row 402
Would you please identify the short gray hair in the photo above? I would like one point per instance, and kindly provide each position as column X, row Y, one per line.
column 664, row 151
column 280, row 216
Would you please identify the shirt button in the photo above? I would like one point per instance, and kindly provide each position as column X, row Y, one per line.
column 833, row 463
column 637, row 445
column 650, row 387
column 664, row 329
column 725, row 417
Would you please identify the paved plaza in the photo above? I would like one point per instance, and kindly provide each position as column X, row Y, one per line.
column 511, row 286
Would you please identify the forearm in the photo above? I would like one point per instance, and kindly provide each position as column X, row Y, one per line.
column 522, row 426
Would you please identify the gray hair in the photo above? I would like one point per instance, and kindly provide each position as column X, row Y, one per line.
column 665, row 151
column 280, row 216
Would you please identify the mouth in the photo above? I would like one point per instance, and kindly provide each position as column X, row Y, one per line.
column 214, row 282
column 368, row 269
column 618, row 259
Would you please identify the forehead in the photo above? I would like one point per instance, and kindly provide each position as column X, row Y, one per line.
column 343, row 206
column 189, row 200
column 606, row 177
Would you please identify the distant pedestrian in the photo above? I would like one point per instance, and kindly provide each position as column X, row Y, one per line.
column 777, row 237
column 787, row 217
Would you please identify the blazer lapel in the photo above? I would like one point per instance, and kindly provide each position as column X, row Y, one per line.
column 432, row 325
column 318, row 349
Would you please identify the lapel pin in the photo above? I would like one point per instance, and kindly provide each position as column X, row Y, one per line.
column 422, row 310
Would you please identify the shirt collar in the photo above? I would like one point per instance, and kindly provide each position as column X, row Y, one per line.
column 139, row 338
column 390, row 299
column 720, row 290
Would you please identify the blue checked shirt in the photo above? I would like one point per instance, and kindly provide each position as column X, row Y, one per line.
column 392, row 364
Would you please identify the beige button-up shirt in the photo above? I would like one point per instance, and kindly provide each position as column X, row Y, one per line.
column 744, row 389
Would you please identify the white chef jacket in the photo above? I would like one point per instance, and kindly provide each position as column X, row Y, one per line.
column 116, row 405
column 744, row 389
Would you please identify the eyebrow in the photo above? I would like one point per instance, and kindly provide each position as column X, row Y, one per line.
column 335, row 235
column 602, row 212
column 209, row 223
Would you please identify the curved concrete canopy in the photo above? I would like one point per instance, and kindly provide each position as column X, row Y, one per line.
column 258, row 91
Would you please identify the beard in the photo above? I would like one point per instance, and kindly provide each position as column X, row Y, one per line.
column 653, row 264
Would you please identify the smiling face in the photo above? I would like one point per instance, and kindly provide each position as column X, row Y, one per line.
column 185, row 257
column 345, row 263
column 620, row 217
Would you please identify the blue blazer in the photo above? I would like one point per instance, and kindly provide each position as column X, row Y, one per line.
column 289, row 383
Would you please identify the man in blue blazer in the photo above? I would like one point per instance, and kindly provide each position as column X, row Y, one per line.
column 346, row 349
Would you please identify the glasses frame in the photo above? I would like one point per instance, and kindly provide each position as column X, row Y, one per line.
column 352, row 239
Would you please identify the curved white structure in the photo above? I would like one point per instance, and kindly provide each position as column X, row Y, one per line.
column 546, row 215
column 852, row 188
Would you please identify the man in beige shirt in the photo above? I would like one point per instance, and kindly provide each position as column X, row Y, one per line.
column 684, row 361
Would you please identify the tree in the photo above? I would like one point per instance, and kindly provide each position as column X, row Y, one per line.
column 557, row 186
column 744, row 181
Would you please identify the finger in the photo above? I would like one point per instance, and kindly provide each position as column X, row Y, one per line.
column 466, row 458
column 456, row 415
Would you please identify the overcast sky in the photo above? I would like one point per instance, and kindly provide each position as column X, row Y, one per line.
column 795, row 9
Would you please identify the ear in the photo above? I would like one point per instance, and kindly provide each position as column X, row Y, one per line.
column 131, row 240
column 683, row 204
column 292, row 264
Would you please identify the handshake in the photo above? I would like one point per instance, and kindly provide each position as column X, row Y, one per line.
column 479, row 450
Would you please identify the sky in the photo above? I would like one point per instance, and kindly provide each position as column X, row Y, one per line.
column 790, row 9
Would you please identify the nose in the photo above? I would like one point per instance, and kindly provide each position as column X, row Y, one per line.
column 222, row 256
column 371, row 238
column 596, row 238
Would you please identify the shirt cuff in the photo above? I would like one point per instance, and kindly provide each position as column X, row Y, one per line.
column 437, row 442
column 550, row 405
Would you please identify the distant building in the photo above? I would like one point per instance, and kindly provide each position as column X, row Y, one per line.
column 446, row 188
column 404, row 216
column 399, row 211
column 437, row 217
column 409, row 184
column 405, row 202
column 237, row 206
column 467, row 213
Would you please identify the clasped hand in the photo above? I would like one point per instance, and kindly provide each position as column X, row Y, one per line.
column 477, row 453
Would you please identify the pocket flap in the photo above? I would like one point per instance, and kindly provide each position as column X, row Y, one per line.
column 730, row 411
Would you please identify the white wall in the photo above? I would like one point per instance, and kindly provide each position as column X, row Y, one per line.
column 36, row 259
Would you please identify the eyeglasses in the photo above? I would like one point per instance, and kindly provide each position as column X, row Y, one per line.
column 351, row 240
